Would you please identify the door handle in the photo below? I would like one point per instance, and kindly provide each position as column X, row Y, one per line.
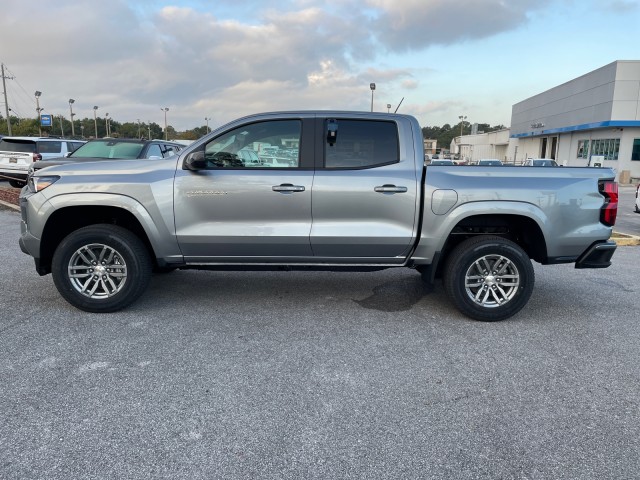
column 287, row 188
column 390, row 189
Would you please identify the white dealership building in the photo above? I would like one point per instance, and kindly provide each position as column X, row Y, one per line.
column 592, row 119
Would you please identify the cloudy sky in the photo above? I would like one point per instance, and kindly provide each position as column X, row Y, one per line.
column 226, row 58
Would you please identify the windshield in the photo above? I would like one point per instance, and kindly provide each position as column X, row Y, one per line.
column 109, row 149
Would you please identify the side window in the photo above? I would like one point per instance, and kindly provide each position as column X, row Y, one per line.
column 170, row 150
column 72, row 146
column 269, row 144
column 49, row 147
column 154, row 151
column 360, row 143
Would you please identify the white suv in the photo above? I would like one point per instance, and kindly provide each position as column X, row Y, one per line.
column 17, row 154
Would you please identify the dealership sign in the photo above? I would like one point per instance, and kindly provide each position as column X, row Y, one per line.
column 45, row 120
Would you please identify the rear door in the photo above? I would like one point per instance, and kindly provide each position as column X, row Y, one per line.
column 365, row 191
column 237, row 210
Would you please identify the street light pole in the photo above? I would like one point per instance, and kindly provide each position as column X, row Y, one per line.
column 138, row 128
column 38, row 110
column 95, row 120
column 61, row 128
column 106, row 124
column 71, row 114
column 372, row 86
column 165, row 110
column 149, row 127
column 207, row 120
column 462, row 119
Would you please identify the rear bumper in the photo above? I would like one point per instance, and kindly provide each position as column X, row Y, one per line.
column 598, row 255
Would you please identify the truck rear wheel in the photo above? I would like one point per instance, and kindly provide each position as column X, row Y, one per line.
column 101, row 268
column 489, row 278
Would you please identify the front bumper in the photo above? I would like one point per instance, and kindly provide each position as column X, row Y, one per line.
column 598, row 255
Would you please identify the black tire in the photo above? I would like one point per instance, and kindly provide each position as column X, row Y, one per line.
column 112, row 267
column 495, row 294
column 17, row 183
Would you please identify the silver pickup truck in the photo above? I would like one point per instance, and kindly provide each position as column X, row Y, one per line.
column 314, row 190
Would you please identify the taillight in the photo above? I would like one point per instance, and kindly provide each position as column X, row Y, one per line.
column 36, row 156
column 608, row 211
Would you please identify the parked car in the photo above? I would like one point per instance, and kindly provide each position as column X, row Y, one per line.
column 539, row 162
column 492, row 162
column 114, row 149
column 17, row 155
column 442, row 162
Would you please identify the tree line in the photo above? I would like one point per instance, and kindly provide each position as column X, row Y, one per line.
column 86, row 128
column 446, row 133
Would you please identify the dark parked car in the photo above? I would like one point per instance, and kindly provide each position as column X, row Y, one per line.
column 539, row 162
column 442, row 162
column 114, row 149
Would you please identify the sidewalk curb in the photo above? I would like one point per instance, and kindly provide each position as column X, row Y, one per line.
column 625, row 240
column 9, row 205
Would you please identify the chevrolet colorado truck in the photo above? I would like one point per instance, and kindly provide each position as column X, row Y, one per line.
column 324, row 190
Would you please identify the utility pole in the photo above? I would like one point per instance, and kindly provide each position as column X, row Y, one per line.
column 6, row 102
column 71, row 114
column 38, row 110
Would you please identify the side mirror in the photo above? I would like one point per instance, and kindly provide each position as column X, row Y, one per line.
column 194, row 161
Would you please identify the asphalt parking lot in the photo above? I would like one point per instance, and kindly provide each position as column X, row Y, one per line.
column 319, row 375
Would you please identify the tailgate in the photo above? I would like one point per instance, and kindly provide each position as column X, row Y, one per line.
column 20, row 161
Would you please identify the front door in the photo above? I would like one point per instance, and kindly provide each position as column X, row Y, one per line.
column 243, row 206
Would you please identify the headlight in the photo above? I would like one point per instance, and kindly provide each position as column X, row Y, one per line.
column 37, row 184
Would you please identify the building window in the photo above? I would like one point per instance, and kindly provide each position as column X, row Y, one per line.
column 583, row 149
column 635, row 152
column 606, row 147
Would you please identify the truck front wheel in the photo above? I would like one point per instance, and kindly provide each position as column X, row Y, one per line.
column 489, row 278
column 101, row 268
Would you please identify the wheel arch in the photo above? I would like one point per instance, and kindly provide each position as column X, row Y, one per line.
column 65, row 220
column 523, row 223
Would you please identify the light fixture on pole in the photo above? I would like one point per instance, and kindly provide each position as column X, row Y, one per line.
column 462, row 119
column 71, row 114
column 372, row 86
column 95, row 120
column 206, row 119
column 388, row 108
column 165, row 110
column 38, row 110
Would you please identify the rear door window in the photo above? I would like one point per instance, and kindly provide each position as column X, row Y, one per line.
column 49, row 147
column 154, row 151
column 354, row 144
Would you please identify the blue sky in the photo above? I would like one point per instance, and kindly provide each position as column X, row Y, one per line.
column 226, row 58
